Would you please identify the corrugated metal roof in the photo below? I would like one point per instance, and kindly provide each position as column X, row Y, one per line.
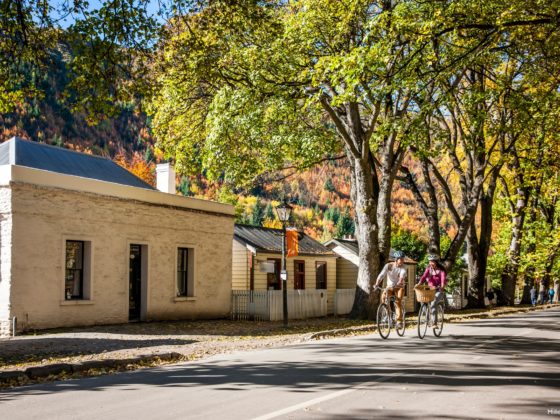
column 352, row 246
column 17, row 151
column 270, row 240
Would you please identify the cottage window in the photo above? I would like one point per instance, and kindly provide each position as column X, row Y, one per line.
column 74, row 276
column 185, row 272
column 182, row 271
column 299, row 275
column 321, row 274
column 273, row 279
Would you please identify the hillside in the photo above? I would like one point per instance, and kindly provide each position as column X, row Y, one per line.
column 51, row 120
column 320, row 195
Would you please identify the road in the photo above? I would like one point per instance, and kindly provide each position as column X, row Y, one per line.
column 488, row 369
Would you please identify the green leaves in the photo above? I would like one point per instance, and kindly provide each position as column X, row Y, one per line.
column 106, row 47
column 235, row 103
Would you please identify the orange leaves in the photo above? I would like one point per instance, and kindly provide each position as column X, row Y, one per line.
column 137, row 166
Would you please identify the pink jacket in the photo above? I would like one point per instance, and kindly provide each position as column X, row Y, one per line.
column 435, row 278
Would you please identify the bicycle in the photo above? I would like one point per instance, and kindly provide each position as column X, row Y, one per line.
column 426, row 295
column 386, row 316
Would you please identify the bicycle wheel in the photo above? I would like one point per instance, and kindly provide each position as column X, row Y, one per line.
column 440, row 315
column 423, row 315
column 400, row 329
column 383, row 321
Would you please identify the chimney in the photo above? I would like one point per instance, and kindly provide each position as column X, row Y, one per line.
column 165, row 177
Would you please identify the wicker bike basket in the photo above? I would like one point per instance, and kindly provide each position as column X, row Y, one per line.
column 424, row 293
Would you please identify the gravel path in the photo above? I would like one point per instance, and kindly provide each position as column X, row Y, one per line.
column 190, row 339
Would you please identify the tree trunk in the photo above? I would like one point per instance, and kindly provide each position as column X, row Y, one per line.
column 365, row 302
column 509, row 275
column 547, row 278
column 429, row 208
column 475, row 288
column 384, row 220
column 552, row 219
column 390, row 165
column 531, row 248
column 518, row 211
column 478, row 255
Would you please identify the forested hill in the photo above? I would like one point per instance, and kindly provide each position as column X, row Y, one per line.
column 50, row 119
column 320, row 195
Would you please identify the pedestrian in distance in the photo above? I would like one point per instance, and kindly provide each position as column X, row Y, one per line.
column 533, row 293
column 436, row 277
column 551, row 294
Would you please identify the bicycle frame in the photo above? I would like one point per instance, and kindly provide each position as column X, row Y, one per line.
column 386, row 316
column 426, row 311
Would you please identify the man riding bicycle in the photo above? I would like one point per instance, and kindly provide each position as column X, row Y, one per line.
column 436, row 278
column 396, row 276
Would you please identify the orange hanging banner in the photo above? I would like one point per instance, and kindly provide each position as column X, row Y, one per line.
column 292, row 242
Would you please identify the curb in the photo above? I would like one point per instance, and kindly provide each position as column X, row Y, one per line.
column 38, row 372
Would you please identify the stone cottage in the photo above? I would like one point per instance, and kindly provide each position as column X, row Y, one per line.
column 83, row 241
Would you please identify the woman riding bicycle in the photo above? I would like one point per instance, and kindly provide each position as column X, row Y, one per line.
column 435, row 276
column 396, row 276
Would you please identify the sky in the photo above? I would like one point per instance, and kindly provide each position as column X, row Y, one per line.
column 65, row 20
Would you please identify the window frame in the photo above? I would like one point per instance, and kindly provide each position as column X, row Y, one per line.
column 191, row 273
column 317, row 264
column 277, row 268
column 182, row 272
column 297, row 273
column 68, row 295
column 86, row 272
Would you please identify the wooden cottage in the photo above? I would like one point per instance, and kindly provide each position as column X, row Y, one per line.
column 257, row 259
column 348, row 262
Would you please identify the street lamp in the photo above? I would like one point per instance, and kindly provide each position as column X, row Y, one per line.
column 283, row 211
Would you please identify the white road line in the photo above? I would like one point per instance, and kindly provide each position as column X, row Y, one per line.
column 327, row 397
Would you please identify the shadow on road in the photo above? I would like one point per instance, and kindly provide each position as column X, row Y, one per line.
column 537, row 320
column 531, row 408
column 328, row 374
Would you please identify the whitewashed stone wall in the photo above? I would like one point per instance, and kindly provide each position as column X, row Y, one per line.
column 5, row 259
column 44, row 217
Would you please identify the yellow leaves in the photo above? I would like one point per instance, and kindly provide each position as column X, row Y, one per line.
column 274, row 223
column 195, row 189
column 9, row 99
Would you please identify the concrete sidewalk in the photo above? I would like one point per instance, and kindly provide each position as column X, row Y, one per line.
column 97, row 350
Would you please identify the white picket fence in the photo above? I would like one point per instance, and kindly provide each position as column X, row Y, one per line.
column 343, row 301
column 267, row 305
